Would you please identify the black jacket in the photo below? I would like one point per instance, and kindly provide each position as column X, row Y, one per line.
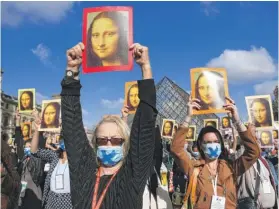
column 127, row 188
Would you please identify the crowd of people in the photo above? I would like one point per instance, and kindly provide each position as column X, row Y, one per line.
column 121, row 166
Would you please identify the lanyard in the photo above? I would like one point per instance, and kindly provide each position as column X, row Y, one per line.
column 214, row 184
column 58, row 169
column 95, row 204
column 262, row 179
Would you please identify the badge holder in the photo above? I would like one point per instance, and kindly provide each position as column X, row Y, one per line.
column 266, row 187
column 23, row 188
column 59, row 182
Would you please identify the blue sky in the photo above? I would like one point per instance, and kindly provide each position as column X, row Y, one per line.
column 240, row 36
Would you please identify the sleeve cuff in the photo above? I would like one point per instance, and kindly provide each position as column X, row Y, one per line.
column 240, row 127
column 70, row 87
column 147, row 91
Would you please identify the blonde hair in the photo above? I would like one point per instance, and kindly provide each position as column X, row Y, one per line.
column 123, row 128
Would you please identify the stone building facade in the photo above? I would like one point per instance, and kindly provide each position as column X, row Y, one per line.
column 8, row 113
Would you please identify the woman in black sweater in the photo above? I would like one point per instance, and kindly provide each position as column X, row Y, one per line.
column 112, row 174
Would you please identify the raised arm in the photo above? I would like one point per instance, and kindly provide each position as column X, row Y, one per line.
column 80, row 154
column 177, row 147
column 44, row 154
column 252, row 150
column 234, row 140
column 142, row 138
column 18, row 137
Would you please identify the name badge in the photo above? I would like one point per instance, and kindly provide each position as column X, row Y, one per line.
column 59, row 182
column 46, row 168
column 266, row 187
column 218, row 202
column 23, row 186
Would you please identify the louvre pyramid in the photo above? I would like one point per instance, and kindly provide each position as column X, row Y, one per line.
column 172, row 104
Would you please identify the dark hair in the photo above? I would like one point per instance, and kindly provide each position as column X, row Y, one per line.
column 30, row 94
column 28, row 125
column 122, row 49
column 195, row 145
column 56, row 105
column 228, row 121
column 27, row 141
column 219, row 83
column 131, row 108
column 267, row 107
column 171, row 127
column 212, row 122
column 269, row 135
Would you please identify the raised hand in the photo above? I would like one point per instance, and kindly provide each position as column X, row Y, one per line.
column 125, row 113
column 232, row 109
column 74, row 57
column 193, row 104
column 140, row 54
column 37, row 118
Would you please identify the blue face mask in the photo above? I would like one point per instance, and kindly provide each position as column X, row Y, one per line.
column 27, row 151
column 62, row 145
column 196, row 154
column 212, row 151
column 110, row 155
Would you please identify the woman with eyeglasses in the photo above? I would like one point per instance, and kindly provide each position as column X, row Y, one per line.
column 213, row 176
column 112, row 174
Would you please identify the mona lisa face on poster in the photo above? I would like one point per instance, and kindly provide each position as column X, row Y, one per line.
column 275, row 134
column 26, row 129
column 266, row 138
column 226, row 123
column 132, row 96
column 191, row 133
column 167, row 128
column 107, row 35
column 51, row 114
column 210, row 86
column 210, row 122
column 26, row 100
column 260, row 111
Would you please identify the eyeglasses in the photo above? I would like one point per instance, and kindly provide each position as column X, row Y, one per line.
column 114, row 141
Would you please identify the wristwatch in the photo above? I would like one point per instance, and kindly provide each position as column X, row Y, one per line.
column 71, row 74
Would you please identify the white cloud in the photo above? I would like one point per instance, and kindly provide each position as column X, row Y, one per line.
column 85, row 112
column 16, row 13
column 266, row 87
column 42, row 52
column 113, row 104
column 40, row 97
column 245, row 66
column 209, row 8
